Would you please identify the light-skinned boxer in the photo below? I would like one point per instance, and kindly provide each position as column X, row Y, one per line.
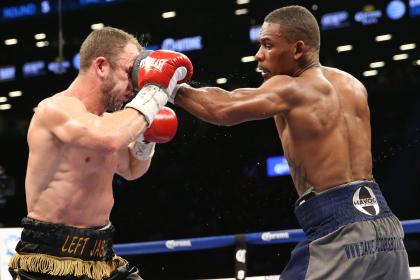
column 78, row 139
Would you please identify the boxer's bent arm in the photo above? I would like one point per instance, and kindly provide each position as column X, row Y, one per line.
column 221, row 107
column 67, row 118
column 129, row 167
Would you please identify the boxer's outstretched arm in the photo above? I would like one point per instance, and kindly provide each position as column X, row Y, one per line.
column 221, row 107
column 68, row 119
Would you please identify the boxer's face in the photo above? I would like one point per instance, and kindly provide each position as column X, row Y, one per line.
column 275, row 55
column 117, row 84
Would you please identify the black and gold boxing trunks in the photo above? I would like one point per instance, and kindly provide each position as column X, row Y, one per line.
column 59, row 250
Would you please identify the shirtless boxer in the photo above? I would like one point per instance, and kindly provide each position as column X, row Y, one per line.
column 75, row 149
column 323, row 121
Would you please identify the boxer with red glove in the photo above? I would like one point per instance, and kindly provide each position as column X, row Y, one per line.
column 157, row 74
column 162, row 130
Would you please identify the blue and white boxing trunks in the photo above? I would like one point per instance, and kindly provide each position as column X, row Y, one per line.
column 352, row 234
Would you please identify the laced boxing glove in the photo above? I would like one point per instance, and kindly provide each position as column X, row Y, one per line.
column 157, row 74
column 162, row 130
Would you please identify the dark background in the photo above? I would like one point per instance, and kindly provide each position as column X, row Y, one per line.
column 212, row 180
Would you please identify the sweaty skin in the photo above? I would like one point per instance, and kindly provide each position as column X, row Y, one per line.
column 75, row 148
column 321, row 113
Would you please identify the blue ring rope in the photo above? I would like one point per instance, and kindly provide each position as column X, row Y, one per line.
column 202, row 243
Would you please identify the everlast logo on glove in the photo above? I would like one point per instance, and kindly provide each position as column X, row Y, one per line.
column 151, row 62
column 157, row 76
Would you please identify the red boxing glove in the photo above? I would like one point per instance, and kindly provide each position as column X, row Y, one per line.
column 136, row 68
column 162, row 130
column 163, row 127
column 157, row 74
column 164, row 69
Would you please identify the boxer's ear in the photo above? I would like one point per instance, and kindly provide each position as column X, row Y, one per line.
column 299, row 49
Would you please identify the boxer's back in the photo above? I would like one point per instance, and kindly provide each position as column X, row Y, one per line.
column 355, row 118
column 65, row 183
column 326, row 136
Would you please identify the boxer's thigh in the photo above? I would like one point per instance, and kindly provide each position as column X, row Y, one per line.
column 361, row 250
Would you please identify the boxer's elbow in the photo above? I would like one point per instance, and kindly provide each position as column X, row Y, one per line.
column 131, row 176
column 112, row 143
column 137, row 169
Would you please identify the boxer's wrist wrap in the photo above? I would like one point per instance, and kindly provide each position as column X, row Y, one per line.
column 173, row 95
column 143, row 151
column 148, row 101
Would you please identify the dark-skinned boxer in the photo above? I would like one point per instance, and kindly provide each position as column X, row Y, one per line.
column 75, row 148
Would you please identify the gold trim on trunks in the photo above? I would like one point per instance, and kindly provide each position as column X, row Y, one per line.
column 65, row 266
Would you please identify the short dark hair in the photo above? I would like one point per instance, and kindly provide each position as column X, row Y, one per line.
column 298, row 23
column 107, row 42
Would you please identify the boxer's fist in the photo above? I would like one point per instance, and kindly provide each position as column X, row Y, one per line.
column 163, row 127
column 162, row 130
column 156, row 75
column 164, row 69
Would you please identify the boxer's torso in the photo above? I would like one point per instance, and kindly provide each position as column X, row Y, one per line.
column 326, row 138
column 67, row 184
